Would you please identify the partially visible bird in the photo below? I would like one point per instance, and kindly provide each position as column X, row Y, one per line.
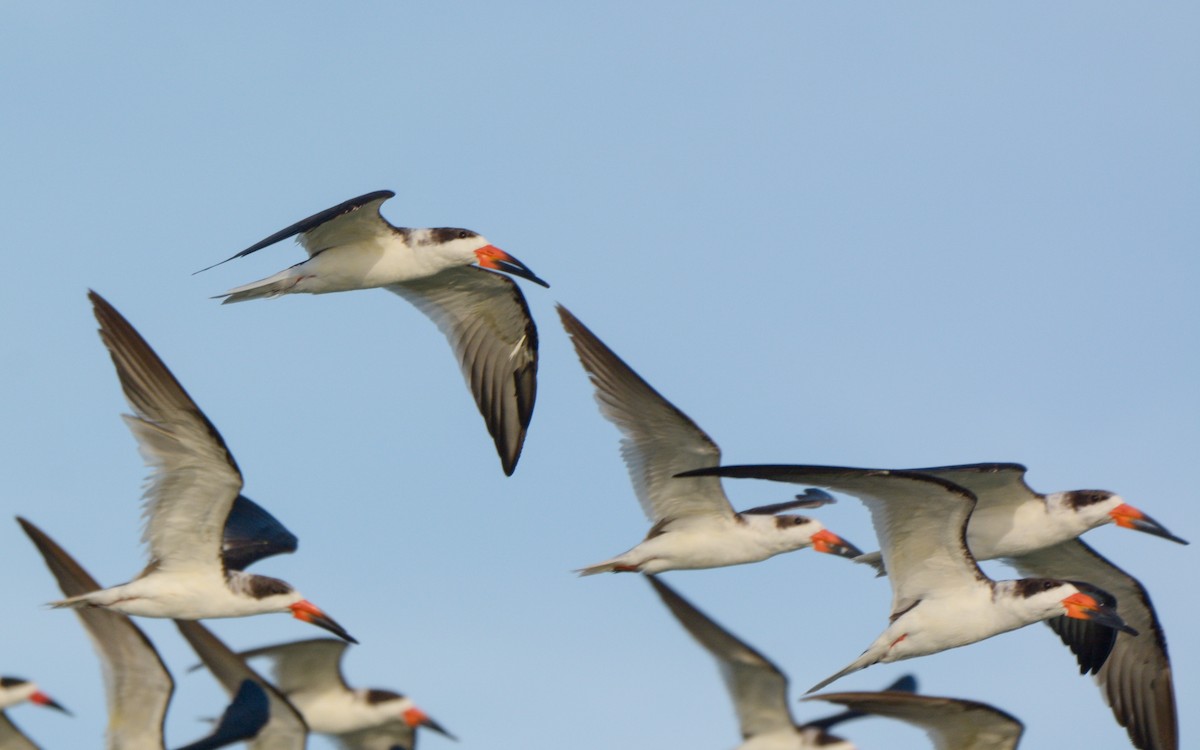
column 442, row 272
column 14, row 690
column 137, row 685
column 952, row 723
column 194, row 484
column 940, row 597
column 284, row 728
column 309, row 673
column 694, row 526
column 758, row 687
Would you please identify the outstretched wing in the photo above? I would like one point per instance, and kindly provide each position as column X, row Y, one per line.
column 302, row 666
column 920, row 521
column 490, row 329
column 952, row 724
column 194, row 479
column 395, row 735
column 352, row 221
column 137, row 684
column 245, row 716
column 659, row 442
column 251, row 534
column 758, row 687
column 1136, row 676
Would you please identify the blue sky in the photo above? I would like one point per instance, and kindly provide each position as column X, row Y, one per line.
column 852, row 234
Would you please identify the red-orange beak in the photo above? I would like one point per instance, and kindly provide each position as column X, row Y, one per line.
column 415, row 717
column 1083, row 606
column 1129, row 517
column 830, row 543
column 306, row 611
column 42, row 699
column 496, row 259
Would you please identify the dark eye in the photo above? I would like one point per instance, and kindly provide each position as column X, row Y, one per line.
column 463, row 234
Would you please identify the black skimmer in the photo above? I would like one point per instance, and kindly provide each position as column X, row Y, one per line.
column 952, row 723
column 757, row 686
column 694, row 524
column 137, row 684
column 14, row 690
column 192, row 489
column 442, row 272
column 1012, row 520
column 309, row 673
column 940, row 597
column 251, row 534
column 1036, row 533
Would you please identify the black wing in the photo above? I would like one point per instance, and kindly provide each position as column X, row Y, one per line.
column 311, row 222
column 251, row 534
column 812, row 498
column 246, row 715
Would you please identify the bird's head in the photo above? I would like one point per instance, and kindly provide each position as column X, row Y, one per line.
column 1094, row 508
column 802, row 531
column 391, row 706
column 13, row 690
column 1051, row 597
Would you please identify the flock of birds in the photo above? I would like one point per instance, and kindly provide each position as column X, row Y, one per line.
column 933, row 524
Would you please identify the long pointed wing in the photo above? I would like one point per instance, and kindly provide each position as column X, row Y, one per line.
column 11, row 737
column 920, row 521
column 353, row 220
column 996, row 484
column 251, row 534
column 490, row 329
column 394, row 735
column 758, row 687
column 194, row 479
column 136, row 682
column 285, row 730
column 313, row 665
column 1136, row 677
column 905, row 684
column 659, row 440
column 952, row 724
column 245, row 716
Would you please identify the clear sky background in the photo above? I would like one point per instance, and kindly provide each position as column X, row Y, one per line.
column 865, row 234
